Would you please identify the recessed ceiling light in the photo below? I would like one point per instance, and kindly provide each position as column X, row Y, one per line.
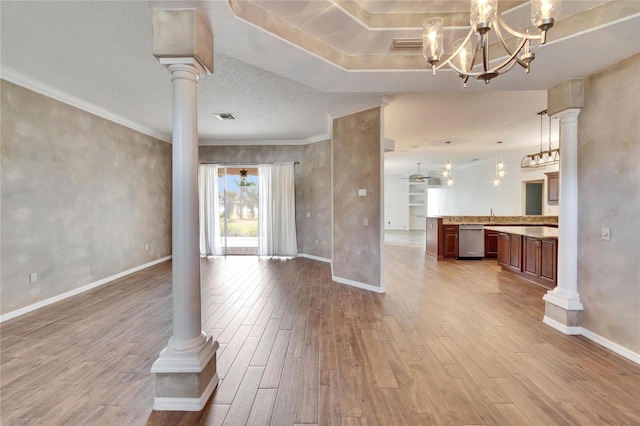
column 499, row 142
column 225, row 116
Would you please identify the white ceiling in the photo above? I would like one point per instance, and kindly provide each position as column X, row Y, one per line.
column 100, row 53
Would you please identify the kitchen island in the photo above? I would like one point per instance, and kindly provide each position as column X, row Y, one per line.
column 442, row 232
column 531, row 251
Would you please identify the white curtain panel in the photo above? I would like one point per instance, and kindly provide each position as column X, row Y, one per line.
column 210, row 238
column 277, row 217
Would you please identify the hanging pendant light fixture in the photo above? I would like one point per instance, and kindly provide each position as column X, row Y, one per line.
column 447, row 173
column 484, row 17
column 243, row 177
column 542, row 158
column 499, row 168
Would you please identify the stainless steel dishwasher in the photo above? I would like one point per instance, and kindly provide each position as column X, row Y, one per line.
column 470, row 241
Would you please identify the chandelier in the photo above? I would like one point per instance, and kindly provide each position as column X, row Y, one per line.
column 484, row 17
column 448, row 173
column 542, row 158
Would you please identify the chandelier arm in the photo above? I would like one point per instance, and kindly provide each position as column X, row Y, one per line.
column 485, row 51
column 510, row 30
column 448, row 61
column 514, row 54
column 512, row 59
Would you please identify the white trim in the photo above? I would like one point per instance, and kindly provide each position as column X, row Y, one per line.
column 357, row 284
column 188, row 361
column 572, row 331
column 612, row 346
column 354, row 109
column 51, row 300
column 244, row 142
column 186, row 404
column 568, row 303
column 43, row 89
column 312, row 257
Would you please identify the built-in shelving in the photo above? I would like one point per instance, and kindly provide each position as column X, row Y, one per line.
column 417, row 205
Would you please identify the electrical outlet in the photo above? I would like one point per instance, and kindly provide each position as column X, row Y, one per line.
column 146, row 246
column 605, row 234
column 366, row 222
column 316, row 242
column 33, row 277
column 308, row 214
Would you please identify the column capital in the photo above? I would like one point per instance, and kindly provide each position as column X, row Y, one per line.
column 184, row 64
column 567, row 114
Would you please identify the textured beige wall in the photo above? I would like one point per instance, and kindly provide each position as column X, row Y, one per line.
column 356, row 165
column 81, row 196
column 316, row 167
column 609, row 197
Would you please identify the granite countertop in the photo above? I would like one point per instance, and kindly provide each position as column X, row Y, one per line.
column 500, row 220
column 527, row 231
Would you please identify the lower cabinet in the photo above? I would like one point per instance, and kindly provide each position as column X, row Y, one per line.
column 503, row 249
column 515, row 252
column 534, row 258
column 490, row 244
column 540, row 260
column 510, row 251
column 450, row 241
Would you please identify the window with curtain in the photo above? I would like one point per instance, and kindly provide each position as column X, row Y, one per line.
column 210, row 236
column 277, row 211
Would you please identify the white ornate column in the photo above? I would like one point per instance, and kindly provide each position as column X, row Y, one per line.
column 563, row 309
column 186, row 369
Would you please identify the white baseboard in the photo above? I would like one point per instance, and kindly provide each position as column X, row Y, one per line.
column 312, row 257
column 186, row 404
column 602, row 341
column 357, row 284
column 573, row 331
column 47, row 302
column 612, row 346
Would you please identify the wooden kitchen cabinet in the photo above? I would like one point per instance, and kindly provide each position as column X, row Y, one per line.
column 553, row 186
column 450, row 241
column 503, row 249
column 490, row 244
column 540, row 260
column 515, row 252
column 533, row 255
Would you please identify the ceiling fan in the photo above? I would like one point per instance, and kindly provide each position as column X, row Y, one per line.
column 419, row 177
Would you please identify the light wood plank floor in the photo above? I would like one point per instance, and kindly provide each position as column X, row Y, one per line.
column 450, row 343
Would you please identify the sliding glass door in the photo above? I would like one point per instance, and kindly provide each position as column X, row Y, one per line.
column 238, row 201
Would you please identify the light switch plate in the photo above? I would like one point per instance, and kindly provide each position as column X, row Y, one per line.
column 362, row 192
column 605, row 234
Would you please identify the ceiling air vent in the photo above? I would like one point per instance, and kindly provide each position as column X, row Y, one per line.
column 406, row 43
column 225, row 116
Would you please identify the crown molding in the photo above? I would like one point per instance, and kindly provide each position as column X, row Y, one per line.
column 43, row 89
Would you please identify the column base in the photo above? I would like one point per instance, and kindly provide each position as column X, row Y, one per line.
column 562, row 312
column 186, row 380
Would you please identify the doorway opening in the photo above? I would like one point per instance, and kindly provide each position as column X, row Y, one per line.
column 238, row 198
column 533, row 197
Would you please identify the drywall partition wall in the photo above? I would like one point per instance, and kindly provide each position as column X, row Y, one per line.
column 396, row 202
column 357, row 160
column 315, row 219
column 81, row 197
column 609, row 197
column 473, row 192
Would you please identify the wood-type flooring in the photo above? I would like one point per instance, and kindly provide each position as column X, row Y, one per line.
column 450, row 343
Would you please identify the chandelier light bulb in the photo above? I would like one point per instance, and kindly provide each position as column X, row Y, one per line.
column 501, row 173
column 496, row 182
column 432, row 36
column 482, row 13
column 450, row 182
